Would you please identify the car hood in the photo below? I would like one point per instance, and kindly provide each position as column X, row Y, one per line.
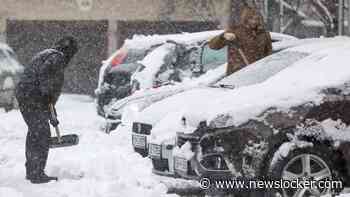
column 175, row 107
column 149, row 96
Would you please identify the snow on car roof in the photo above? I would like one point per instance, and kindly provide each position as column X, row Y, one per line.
column 146, row 41
column 294, row 85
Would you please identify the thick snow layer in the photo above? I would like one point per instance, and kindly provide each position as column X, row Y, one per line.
column 294, row 85
column 101, row 165
column 153, row 62
column 143, row 98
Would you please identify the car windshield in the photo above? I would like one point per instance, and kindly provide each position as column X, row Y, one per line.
column 262, row 69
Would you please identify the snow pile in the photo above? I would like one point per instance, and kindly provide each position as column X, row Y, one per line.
column 183, row 152
column 336, row 130
column 101, row 165
column 153, row 62
column 8, row 63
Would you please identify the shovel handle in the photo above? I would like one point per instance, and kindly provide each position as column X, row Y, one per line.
column 53, row 115
column 243, row 56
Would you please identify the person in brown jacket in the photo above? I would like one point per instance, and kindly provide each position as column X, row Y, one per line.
column 249, row 35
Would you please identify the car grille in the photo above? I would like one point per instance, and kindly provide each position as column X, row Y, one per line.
column 141, row 128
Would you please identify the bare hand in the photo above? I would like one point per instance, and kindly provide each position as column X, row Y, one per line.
column 230, row 36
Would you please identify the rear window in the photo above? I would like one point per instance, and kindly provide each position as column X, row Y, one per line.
column 263, row 69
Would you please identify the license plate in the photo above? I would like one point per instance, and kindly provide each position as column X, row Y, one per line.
column 180, row 164
column 139, row 141
column 155, row 150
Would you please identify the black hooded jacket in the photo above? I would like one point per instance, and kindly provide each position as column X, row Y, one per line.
column 42, row 80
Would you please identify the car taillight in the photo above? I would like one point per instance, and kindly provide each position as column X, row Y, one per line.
column 119, row 58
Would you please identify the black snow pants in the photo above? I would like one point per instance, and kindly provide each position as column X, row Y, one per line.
column 35, row 114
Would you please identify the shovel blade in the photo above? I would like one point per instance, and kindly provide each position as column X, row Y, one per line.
column 66, row 140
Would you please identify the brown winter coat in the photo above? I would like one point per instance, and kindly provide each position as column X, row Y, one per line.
column 254, row 42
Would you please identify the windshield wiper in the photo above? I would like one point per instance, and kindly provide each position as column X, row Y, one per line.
column 223, row 86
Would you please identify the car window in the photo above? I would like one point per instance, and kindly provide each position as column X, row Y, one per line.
column 262, row 69
column 210, row 56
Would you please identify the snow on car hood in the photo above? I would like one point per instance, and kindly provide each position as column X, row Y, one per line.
column 294, row 85
column 209, row 78
column 172, row 109
column 281, row 37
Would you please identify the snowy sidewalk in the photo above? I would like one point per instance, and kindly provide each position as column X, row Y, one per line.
column 100, row 166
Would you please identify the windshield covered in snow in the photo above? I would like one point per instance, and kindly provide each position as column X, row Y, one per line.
column 262, row 69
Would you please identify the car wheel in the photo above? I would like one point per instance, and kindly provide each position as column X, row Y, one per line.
column 313, row 163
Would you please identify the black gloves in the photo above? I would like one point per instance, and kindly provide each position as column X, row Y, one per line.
column 54, row 122
column 53, row 116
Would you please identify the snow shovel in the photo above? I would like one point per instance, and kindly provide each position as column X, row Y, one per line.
column 241, row 53
column 61, row 141
column 245, row 60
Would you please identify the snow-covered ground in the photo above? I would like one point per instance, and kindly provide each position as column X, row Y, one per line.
column 100, row 166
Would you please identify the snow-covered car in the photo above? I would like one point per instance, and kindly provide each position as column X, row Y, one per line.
column 289, row 124
column 142, row 122
column 115, row 73
column 157, row 115
column 10, row 70
column 181, row 58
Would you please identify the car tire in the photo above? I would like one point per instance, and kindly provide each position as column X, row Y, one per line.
column 318, row 156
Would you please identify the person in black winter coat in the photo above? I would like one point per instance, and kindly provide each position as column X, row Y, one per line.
column 39, row 86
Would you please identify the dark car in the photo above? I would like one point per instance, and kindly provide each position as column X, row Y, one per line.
column 115, row 74
column 293, row 137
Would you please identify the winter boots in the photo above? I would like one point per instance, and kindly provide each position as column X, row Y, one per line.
column 41, row 178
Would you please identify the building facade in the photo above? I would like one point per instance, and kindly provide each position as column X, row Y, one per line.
column 100, row 26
